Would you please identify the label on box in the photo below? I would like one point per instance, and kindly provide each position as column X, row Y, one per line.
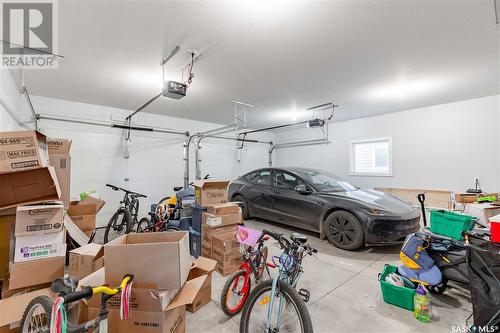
column 214, row 221
column 39, row 247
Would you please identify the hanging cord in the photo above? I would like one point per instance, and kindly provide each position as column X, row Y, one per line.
column 58, row 320
column 190, row 73
column 125, row 301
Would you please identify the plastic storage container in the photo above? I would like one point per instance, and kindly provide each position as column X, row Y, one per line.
column 399, row 296
column 495, row 228
column 450, row 224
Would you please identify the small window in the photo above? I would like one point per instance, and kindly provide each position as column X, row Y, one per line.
column 262, row 177
column 286, row 180
column 371, row 157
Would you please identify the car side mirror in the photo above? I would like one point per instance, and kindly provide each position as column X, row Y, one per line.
column 302, row 189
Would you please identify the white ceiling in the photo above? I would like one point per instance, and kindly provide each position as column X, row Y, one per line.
column 370, row 57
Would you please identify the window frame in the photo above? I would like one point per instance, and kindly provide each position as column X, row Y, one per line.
column 274, row 181
column 370, row 174
column 260, row 171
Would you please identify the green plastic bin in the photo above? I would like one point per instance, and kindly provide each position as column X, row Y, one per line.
column 399, row 296
column 450, row 224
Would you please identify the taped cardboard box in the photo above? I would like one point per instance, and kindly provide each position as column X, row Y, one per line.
column 151, row 311
column 206, row 250
column 12, row 308
column 217, row 221
column 226, row 243
column 7, row 226
column 39, row 219
column 210, row 192
column 22, row 150
column 202, row 267
column 159, row 260
column 37, row 247
column 28, row 187
column 60, row 159
column 222, row 209
column 85, row 260
column 32, row 273
column 207, row 233
column 84, row 214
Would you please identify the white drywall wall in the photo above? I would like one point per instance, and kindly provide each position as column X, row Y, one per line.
column 156, row 162
column 440, row 147
column 13, row 109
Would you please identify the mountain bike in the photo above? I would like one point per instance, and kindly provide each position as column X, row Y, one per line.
column 124, row 219
column 275, row 305
column 159, row 220
column 238, row 285
column 43, row 315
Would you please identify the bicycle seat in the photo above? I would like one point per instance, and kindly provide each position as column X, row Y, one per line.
column 64, row 285
column 298, row 238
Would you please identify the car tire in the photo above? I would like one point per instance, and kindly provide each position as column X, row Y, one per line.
column 344, row 231
column 243, row 205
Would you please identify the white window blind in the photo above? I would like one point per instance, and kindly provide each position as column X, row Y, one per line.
column 371, row 157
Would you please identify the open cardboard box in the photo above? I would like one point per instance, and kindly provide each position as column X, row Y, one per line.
column 60, row 159
column 85, row 260
column 202, row 267
column 83, row 213
column 12, row 308
column 158, row 260
column 210, row 192
column 151, row 310
column 28, row 187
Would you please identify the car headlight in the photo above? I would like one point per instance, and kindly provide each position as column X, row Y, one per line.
column 378, row 212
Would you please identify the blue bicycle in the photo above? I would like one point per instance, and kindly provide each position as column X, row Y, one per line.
column 275, row 305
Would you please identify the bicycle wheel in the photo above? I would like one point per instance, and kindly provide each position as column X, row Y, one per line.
column 261, row 265
column 142, row 225
column 119, row 224
column 36, row 316
column 234, row 294
column 294, row 315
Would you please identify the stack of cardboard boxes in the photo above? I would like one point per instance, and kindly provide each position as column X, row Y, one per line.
column 218, row 229
column 32, row 234
column 165, row 282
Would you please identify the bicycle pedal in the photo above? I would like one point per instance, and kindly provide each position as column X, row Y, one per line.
column 305, row 294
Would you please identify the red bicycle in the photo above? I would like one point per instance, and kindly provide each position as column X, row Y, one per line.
column 238, row 285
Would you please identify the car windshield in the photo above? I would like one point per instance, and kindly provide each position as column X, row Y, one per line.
column 325, row 181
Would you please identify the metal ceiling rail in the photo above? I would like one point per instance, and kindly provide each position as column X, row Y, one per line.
column 113, row 125
column 295, row 144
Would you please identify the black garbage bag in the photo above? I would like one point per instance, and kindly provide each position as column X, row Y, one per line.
column 484, row 270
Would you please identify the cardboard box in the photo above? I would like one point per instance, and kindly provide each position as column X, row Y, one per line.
column 150, row 310
column 210, row 192
column 226, row 243
column 201, row 267
column 12, row 308
column 58, row 146
column 25, row 274
column 60, row 159
column 22, row 150
column 226, row 269
column 7, row 225
column 39, row 219
column 36, row 247
column 159, row 260
column 217, row 221
column 28, row 187
column 222, row 209
column 483, row 212
column 89, row 200
column 207, row 233
column 85, row 260
column 84, row 215
column 206, row 250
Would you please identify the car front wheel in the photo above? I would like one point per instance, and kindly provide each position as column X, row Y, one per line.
column 344, row 231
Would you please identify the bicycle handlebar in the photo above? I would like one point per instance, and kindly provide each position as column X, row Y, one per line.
column 88, row 292
column 116, row 188
column 284, row 242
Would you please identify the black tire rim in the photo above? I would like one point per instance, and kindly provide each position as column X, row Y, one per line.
column 342, row 230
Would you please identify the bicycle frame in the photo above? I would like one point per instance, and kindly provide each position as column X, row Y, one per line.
column 282, row 276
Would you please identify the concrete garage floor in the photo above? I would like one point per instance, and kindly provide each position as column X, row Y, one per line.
column 345, row 294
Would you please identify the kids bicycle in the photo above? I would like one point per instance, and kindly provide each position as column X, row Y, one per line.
column 275, row 305
column 238, row 285
column 43, row 315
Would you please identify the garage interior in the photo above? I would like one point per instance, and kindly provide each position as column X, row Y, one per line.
column 325, row 119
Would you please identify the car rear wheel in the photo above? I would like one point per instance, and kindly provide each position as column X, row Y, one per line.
column 344, row 231
column 243, row 205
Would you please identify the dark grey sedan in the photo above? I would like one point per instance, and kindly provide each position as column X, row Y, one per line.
column 319, row 201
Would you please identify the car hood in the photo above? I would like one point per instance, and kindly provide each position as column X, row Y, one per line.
column 376, row 199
